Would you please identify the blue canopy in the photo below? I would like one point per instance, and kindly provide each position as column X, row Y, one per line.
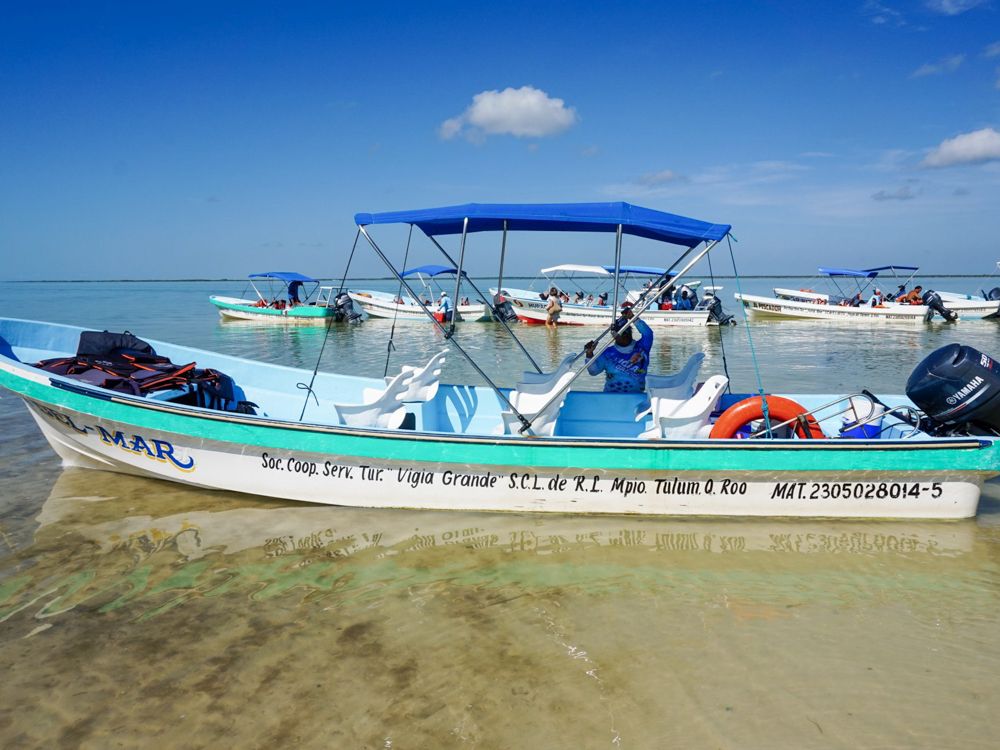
column 895, row 268
column 642, row 270
column 848, row 272
column 285, row 276
column 555, row 217
column 431, row 270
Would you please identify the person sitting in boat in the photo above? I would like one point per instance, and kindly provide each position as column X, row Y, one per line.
column 293, row 293
column 578, row 299
column 465, row 301
column 900, row 292
column 602, row 300
column 856, row 300
column 625, row 363
column 915, row 297
column 563, row 298
column 877, row 298
column 685, row 302
column 590, row 300
column 692, row 295
column 445, row 307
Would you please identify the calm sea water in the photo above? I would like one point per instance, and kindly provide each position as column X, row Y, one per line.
column 138, row 613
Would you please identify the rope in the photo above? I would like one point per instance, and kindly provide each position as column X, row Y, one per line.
column 329, row 324
column 722, row 339
column 753, row 352
column 399, row 295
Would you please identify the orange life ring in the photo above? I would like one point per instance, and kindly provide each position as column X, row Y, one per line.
column 779, row 409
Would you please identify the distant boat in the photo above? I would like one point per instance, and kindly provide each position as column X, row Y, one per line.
column 530, row 305
column 853, row 303
column 398, row 307
column 290, row 297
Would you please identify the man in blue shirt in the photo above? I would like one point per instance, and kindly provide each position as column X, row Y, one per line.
column 444, row 307
column 625, row 363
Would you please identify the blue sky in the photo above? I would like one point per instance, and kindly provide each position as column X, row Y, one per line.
column 179, row 140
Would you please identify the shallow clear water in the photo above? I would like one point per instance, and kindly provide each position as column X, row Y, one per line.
column 140, row 613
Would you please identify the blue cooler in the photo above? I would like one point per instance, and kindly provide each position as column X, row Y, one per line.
column 868, row 431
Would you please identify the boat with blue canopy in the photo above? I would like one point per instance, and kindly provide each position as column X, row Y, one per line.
column 870, row 295
column 285, row 297
column 401, row 306
column 690, row 443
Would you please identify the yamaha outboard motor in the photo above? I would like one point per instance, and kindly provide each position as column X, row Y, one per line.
column 935, row 305
column 503, row 310
column 345, row 307
column 715, row 312
column 958, row 387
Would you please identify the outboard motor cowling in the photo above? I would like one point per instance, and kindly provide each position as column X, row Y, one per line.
column 936, row 305
column 345, row 307
column 992, row 295
column 958, row 386
column 715, row 312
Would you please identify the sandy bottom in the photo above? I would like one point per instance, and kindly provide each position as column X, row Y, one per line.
column 136, row 614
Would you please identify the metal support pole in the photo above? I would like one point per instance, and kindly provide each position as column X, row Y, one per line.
column 503, row 254
column 618, row 264
column 489, row 303
column 458, row 276
column 429, row 314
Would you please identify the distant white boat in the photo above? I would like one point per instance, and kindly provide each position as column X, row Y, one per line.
column 530, row 306
column 398, row 307
column 853, row 305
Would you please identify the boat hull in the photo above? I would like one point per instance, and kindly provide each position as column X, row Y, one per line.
column 775, row 307
column 378, row 307
column 533, row 311
column 232, row 308
column 329, row 463
column 334, row 469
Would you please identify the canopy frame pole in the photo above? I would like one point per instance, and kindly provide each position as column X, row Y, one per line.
column 489, row 304
column 503, row 255
column 618, row 266
column 496, row 389
column 638, row 309
column 458, row 277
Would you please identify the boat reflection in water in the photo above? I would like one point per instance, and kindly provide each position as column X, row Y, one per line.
column 138, row 602
column 268, row 548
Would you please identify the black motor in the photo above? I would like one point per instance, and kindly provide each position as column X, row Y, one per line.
column 345, row 307
column 715, row 312
column 935, row 305
column 503, row 309
column 992, row 295
column 958, row 386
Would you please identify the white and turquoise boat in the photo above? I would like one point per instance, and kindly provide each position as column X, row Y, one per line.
column 291, row 297
column 411, row 441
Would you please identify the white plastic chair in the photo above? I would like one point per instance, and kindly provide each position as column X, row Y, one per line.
column 690, row 418
column 678, row 386
column 529, row 376
column 380, row 408
column 426, row 379
column 529, row 399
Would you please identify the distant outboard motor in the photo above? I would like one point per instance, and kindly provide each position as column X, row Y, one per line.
column 992, row 295
column 935, row 305
column 345, row 307
column 715, row 312
column 504, row 311
column 958, row 387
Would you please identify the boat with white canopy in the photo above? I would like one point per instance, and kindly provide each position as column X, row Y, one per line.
column 589, row 306
column 690, row 444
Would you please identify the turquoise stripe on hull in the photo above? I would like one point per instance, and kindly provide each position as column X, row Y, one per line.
column 759, row 457
column 302, row 311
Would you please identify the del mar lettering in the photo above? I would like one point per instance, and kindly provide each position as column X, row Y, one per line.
column 158, row 450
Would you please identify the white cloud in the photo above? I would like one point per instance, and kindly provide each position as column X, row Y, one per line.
column 882, row 15
column 526, row 112
column 953, row 7
column 904, row 193
column 663, row 177
column 976, row 147
column 944, row 65
column 992, row 50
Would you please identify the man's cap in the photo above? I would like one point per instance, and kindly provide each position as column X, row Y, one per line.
column 443, row 294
